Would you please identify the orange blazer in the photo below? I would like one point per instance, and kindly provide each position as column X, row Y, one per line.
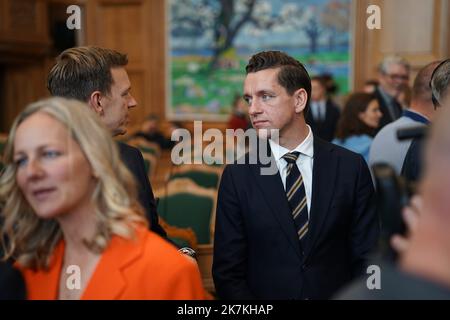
column 145, row 268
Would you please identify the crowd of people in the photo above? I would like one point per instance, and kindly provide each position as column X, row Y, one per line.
column 70, row 195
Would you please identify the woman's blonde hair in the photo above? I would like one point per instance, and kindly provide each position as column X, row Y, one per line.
column 31, row 240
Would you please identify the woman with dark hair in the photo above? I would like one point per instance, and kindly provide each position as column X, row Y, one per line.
column 358, row 123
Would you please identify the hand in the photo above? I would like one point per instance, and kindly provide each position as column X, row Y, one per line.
column 411, row 215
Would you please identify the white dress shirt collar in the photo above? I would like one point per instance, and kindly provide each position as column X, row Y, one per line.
column 306, row 147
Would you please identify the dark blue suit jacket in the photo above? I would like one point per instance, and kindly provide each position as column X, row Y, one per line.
column 325, row 129
column 12, row 284
column 134, row 161
column 413, row 163
column 257, row 254
column 386, row 118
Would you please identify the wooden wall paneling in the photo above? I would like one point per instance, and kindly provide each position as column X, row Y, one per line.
column 22, row 85
column 445, row 28
column 414, row 29
column 119, row 25
column 26, row 20
column 3, row 18
column 363, row 44
column 120, row 28
column 24, row 44
column 155, row 50
column 137, row 114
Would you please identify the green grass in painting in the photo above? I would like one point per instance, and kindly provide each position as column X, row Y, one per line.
column 195, row 89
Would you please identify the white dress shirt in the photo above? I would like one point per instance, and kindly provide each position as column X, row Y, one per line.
column 304, row 163
column 318, row 109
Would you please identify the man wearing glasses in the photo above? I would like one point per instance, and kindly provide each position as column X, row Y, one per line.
column 393, row 77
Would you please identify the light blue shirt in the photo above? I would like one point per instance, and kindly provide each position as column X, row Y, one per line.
column 387, row 148
column 357, row 143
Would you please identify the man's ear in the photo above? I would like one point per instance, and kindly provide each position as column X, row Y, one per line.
column 301, row 98
column 95, row 102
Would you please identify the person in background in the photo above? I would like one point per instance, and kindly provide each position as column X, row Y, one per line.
column 370, row 86
column 72, row 218
column 422, row 271
column 331, row 86
column 305, row 229
column 150, row 131
column 440, row 95
column 393, row 77
column 358, row 123
column 386, row 148
column 323, row 114
column 404, row 98
column 239, row 115
column 97, row 76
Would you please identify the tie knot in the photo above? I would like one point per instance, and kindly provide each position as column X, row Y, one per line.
column 291, row 157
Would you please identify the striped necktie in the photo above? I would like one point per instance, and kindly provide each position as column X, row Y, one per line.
column 296, row 196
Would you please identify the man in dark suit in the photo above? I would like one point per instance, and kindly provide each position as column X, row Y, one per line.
column 98, row 77
column 393, row 77
column 440, row 88
column 305, row 231
column 323, row 114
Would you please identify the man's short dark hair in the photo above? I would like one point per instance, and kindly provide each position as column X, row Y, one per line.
column 79, row 71
column 292, row 75
column 321, row 81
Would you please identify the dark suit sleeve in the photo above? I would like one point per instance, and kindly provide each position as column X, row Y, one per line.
column 230, row 243
column 12, row 284
column 412, row 165
column 134, row 161
column 365, row 223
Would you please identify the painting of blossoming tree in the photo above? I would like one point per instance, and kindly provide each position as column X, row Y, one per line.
column 211, row 41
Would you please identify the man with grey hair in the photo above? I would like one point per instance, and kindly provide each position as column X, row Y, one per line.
column 440, row 84
column 393, row 77
column 386, row 147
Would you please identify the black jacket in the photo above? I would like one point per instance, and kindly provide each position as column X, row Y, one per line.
column 134, row 161
column 257, row 254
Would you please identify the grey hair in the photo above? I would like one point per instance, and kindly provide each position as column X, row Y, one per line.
column 390, row 60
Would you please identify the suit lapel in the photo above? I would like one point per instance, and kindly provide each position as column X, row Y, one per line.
column 324, row 176
column 273, row 192
column 108, row 280
column 45, row 284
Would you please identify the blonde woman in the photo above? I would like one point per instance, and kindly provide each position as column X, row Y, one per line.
column 71, row 216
